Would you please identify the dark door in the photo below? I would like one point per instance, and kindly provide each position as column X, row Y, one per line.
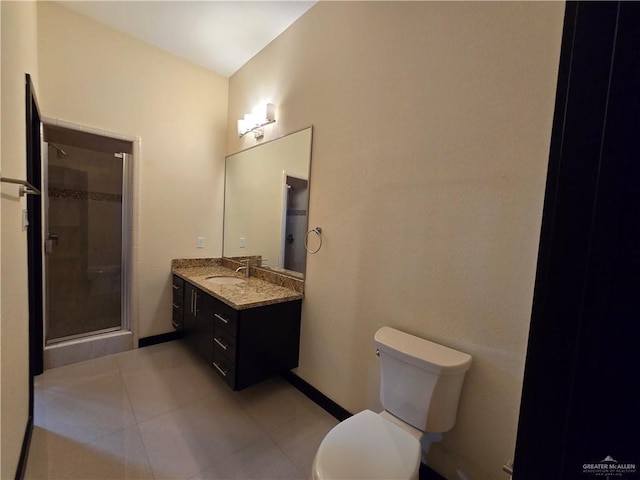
column 34, row 256
column 34, row 232
column 579, row 414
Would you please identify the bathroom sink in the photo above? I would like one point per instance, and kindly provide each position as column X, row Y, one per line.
column 222, row 280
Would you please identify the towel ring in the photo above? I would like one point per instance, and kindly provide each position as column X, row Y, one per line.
column 318, row 232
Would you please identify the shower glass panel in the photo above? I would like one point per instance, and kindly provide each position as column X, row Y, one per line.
column 84, row 242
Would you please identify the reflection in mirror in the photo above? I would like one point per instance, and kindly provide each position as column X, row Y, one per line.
column 266, row 203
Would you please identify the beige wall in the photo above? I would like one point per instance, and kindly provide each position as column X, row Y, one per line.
column 432, row 125
column 96, row 76
column 19, row 56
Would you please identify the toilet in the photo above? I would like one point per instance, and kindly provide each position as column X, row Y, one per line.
column 419, row 391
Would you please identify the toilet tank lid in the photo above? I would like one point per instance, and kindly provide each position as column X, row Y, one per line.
column 422, row 353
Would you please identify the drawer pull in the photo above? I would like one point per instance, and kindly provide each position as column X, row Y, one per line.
column 175, row 325
column 220, row 343
column 176, row 287
column 176, row 306
column 223, row 372
column 221, row 318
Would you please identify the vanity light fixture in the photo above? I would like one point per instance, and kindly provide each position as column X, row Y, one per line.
column 262, row 115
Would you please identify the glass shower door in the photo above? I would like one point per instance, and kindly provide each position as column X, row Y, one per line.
column 84, row 242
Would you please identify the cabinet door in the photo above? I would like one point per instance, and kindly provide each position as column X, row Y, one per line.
column 204, row 325
column 189, row 319
column 198, row 321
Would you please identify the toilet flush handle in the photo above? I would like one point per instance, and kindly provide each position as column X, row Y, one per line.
column 377, row 352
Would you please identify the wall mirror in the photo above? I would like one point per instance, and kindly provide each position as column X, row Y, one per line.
column 266, row 203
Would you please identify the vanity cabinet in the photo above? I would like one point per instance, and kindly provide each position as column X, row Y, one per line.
column 243, row 346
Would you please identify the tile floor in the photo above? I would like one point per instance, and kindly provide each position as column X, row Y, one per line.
column 160, row 412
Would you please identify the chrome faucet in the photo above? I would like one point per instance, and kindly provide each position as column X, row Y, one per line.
column 246, row 268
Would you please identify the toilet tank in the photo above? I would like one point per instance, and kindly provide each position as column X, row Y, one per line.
column 420, row 380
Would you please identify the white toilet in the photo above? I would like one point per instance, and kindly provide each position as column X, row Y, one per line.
column 420, row 388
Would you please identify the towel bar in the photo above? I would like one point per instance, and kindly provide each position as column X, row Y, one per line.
column 25, row 187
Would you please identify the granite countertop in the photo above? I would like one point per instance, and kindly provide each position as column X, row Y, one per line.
column 254, row 292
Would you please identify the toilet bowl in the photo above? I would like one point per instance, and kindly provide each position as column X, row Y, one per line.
column 420, row 389
column 367, row 446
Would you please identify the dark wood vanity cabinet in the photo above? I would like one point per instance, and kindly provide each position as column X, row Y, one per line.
column 243, row 346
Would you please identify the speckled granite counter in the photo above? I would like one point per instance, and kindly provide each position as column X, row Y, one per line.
column 254, row 292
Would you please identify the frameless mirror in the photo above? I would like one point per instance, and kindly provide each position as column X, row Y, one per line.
column 266, row 201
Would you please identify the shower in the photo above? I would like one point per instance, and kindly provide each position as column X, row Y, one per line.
column 86, row 243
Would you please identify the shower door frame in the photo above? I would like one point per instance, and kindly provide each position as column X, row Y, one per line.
column 126, row 245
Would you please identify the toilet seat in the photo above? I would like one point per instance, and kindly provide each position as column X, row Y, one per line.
column 366, row 446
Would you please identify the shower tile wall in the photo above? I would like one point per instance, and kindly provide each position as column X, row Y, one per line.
column 85, row 212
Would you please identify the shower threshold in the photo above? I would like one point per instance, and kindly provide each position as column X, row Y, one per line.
column 69, row 338
column 87, row 347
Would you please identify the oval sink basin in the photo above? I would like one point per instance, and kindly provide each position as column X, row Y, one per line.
column 225, row 280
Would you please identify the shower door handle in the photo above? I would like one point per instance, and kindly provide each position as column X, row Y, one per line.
column 50, row 242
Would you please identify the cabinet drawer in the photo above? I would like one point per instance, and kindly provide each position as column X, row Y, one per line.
column 178, row 318
column 225, row 318
column 224, row 368
column 225, row 343
column 178, row 285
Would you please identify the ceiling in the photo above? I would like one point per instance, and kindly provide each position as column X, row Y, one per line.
column 218, row 35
